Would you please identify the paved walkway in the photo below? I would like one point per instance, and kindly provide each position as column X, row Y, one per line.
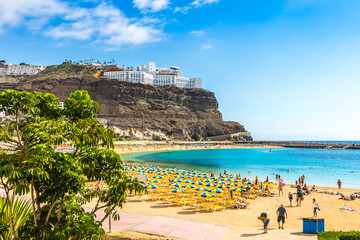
column 167, row 226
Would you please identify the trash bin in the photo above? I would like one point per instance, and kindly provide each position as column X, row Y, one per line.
column 321, row 225
column 317, row 225
column 313, row 226
column 306, row 225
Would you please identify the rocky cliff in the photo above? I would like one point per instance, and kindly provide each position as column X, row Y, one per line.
column 146, row 110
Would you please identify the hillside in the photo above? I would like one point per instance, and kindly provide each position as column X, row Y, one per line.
column 147, row 110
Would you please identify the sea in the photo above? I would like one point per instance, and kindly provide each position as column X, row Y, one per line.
column 321, row 167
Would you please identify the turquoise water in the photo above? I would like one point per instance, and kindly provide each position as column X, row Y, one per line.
column 321, row 167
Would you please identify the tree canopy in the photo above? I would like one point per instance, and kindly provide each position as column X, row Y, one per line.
column 55, row 180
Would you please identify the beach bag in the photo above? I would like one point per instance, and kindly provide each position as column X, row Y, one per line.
column 263, row 215
column 302, row 197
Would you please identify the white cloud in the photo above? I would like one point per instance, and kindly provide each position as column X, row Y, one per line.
column 197, row 33
column 206, row 46
column 14, row 13
column 194, row 4
column 151, row 5
column 199, row 3
column 184, row 9
column 105, row 23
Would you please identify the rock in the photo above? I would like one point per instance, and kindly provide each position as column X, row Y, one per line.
column 147, row 110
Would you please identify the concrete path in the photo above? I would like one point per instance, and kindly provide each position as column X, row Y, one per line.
column 166, row 226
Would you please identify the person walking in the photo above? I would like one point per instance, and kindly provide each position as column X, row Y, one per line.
column 281, row 212
column 264, row 218
column 299, row 197
column 316, row 207
column 291, row 198
column 281, row 192
column 339, row 183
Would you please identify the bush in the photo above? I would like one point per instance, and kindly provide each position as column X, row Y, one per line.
column 196, row 137
column 340, row 235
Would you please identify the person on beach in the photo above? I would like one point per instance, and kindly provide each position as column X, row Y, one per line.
column 224, row 172
column 299, row 197
column 264, row 218
column 281, row 191
column 291, row 198
column 98, row 186
column 313, row 188
column 267, row 190
column 339, row 183
column 316, row 207
column 281, row 212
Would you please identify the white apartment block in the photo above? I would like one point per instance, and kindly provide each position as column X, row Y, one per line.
column 149, row 74
column 131, row 76
column 11, row 69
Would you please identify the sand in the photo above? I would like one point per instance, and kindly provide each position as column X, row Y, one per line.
column 122, row 149
column 244, row 222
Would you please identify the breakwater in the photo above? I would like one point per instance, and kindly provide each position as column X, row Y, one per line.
column 297, row 144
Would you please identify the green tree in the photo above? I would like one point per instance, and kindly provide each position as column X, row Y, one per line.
column 57, row 180
column 170, row 133
column 196, row 137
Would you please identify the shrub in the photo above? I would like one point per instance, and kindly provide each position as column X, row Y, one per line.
column 339, row 235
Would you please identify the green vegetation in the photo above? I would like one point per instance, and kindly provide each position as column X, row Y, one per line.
column 340, row 235
column 56, row 180
column 66, row 69
column 196, row 137
column 170, row 133
column 21, row 211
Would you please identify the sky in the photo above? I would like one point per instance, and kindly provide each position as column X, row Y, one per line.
column 285, row 69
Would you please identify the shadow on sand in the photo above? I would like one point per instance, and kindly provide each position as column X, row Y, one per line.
column 256, row 234
column 134, row 200
column 303, row 234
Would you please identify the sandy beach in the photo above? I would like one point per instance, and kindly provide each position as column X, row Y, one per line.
column 124, row 148
column 244, row 222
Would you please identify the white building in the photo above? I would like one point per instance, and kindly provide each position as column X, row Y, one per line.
column 11, row 69
column 149, row 74
column 130, row 76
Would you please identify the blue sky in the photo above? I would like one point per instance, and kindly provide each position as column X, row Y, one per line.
column 287, row 70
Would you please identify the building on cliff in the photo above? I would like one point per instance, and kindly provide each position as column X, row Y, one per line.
column 11, row 69
column 149, row 74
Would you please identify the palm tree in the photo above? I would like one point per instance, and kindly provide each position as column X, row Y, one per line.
column 21, row 211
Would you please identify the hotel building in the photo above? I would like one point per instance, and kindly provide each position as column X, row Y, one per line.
column 149, row 74
column 11, row 69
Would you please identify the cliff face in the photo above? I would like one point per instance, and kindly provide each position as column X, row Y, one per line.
column 146, row 109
